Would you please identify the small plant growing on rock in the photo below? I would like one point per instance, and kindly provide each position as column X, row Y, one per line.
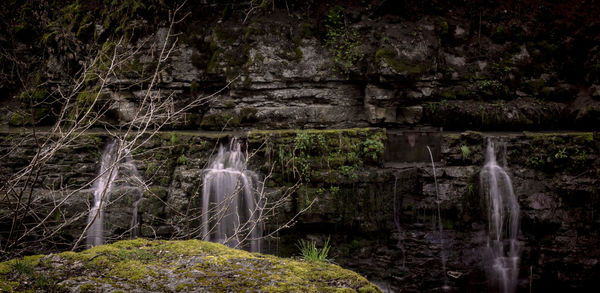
column 535, row 161
column 349, row 171
column 373, row 148
column 182, row 160
column 433, row 107
column 466, row 152
column 310, row 252
column 334, row 190
column 561, row 153
column 173, row 139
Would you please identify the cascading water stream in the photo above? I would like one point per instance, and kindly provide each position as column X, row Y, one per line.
column 230, row 206
column 102, row 187
column 134, row 179
column 110, row 169
column 438, row 201
column 503, row 222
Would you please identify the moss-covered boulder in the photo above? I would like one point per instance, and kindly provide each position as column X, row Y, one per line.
column 169, row 266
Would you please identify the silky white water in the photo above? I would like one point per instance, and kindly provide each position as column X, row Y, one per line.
column 230, row 204
column 502, row 249
column 102, row 187
column 133, row 179
column 131, row 183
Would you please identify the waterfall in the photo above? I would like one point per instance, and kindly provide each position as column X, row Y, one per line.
column 230, row 206
column 110, row 169
column 503, row 222
column 134, row 179
column 439, row 214
column 102, row 187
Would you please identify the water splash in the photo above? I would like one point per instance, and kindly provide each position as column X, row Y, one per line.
column 230, row 206
column 102, row 187
column 503, row 222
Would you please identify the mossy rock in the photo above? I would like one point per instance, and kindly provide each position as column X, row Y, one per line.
column 19, row 119
column 159, row 266
column 218, row 122
column 389, row 58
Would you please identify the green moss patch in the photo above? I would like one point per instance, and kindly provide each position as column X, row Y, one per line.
column 174, row 266
column 305, row 153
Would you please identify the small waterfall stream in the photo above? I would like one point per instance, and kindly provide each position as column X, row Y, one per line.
column 230, row 206
column 110, row 170
column 134, row 179
column 503, row 218
column 439, row 218
column 102, row 187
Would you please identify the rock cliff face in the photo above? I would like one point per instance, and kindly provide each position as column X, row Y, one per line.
column 315, row 65
column 380, row 213
column 376, row 79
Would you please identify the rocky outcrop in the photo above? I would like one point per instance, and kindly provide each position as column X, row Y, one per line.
column 453, row 67
column 169, row 266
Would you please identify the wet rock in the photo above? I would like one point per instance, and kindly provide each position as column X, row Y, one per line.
column 461, row 172
column 409, row 115
column 380, row 104
column 541, row 201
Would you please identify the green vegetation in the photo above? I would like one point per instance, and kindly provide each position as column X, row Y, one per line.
column 35, row 96
column 435, row 106
column 566, row 152
column 466, row 152
column 23, row 267
column 561, row 153
column 492, row 88
column 442, row 28
column 373, row 148
column 535, row 161
column 349, row 171
column 310, row 252
column 182, row 160
column 342, row 40
column 326, row 163
column 173, row 138
column 19, row 119
column 87, row 96
column 298, row 53
column 143, row 265
column 300, row 152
